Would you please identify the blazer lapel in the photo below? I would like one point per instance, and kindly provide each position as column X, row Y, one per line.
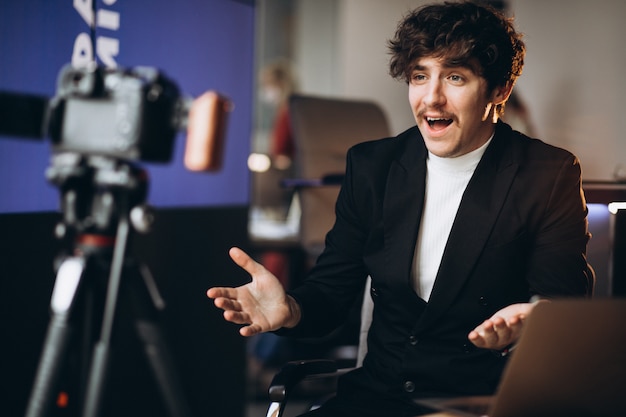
column 404, row 194
column 478, row 211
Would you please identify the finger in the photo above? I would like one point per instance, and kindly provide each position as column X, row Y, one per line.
column 484, row 335
column 486, row 329
column 245, row 261
column 498, row 322
column 503, row 334
column 516, row 323
column 476, row 338
column 227, row 304
column 250, row 330
column 473, row 336
column 517, row 320
column 236, row 317
column 224, row 292
column 500, row 327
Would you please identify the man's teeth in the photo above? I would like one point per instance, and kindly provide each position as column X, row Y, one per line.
column 433, row 120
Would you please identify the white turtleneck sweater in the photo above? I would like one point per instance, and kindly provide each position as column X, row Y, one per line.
column 446, row 180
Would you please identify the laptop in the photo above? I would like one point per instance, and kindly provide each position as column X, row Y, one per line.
column 570, row 361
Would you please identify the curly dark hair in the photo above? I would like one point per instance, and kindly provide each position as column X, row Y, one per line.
column 462, row 34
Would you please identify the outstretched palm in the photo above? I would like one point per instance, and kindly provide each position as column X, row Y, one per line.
column 503, row 328
column 261, row 305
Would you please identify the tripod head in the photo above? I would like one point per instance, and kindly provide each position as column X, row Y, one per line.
column 96, row 191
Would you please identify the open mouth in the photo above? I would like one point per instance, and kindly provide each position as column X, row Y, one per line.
column 438, row 123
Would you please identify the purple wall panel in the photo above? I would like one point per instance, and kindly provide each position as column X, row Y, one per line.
column 201, row 45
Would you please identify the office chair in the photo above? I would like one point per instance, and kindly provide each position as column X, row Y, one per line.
column 324, row 129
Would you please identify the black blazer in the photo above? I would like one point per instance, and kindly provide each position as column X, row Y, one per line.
column 520, row 230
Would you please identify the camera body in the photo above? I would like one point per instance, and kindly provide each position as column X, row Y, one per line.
column 123, row 114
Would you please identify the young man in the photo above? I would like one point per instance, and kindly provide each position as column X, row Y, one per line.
column 458, row 221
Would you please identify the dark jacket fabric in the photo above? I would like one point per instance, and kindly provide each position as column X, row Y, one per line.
column 520, row 230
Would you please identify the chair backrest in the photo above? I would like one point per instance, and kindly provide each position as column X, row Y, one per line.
column 324, row 129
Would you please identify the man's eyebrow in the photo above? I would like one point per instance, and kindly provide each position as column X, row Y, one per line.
column 418, row 67
column 453, row 63
column 445, row 65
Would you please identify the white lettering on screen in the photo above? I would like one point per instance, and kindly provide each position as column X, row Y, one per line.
column 107, row 48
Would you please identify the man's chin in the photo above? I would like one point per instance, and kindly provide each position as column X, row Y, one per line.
column 437, row 148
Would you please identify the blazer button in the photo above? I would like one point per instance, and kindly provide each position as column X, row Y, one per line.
column 483, row 301
column 409, row 386
column 468, row 347
column 374, row 292
column 413, row 340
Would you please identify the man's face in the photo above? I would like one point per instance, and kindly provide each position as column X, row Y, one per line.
column 452, row 107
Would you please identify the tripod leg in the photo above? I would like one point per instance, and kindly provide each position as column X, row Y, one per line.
column 57, row 337
column 147, row 302
column 99, row 362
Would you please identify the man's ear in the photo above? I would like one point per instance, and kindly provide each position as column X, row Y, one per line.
column 501, row 94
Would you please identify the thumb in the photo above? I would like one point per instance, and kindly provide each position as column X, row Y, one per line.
column 244, row 260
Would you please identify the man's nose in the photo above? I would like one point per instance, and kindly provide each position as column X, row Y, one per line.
column 435, row 95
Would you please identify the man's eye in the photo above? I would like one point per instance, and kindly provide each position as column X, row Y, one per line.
column 456, row 78
column 418, row 77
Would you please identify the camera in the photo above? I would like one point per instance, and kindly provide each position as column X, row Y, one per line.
column 126, row 114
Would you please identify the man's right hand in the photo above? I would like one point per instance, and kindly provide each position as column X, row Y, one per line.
column 261, row 305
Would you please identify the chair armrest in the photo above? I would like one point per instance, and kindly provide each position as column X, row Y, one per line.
column 294, row 372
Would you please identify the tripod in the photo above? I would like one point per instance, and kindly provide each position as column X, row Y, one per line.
column 102, row 201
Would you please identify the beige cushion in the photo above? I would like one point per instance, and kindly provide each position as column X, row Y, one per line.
column 324, row 129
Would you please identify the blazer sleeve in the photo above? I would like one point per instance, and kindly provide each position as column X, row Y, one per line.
column 557, row 262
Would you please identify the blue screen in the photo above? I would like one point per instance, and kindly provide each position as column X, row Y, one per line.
column 200, row 45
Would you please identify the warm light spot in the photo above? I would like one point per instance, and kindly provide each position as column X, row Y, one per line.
column 63, row 399
column 258, row 162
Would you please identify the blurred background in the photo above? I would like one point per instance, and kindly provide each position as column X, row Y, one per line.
column 258, row 53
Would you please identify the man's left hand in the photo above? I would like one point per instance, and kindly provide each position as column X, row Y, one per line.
column 502, row 329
